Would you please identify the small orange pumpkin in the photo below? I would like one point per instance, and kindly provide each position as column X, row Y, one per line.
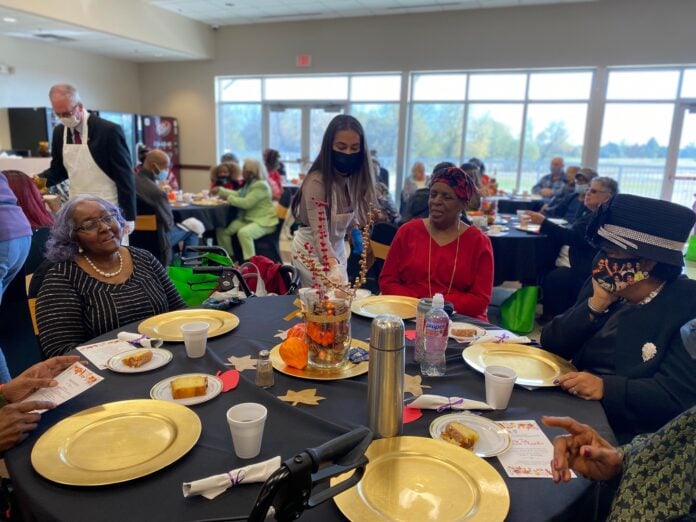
column 322, row 334
column 294, row 352
column 297, row 330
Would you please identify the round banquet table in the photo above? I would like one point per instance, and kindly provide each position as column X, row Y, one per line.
column 512, row 205
column 521, row 256
column 288, row 430
column 212, row 216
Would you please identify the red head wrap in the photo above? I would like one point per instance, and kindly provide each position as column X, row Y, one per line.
column 463, row 184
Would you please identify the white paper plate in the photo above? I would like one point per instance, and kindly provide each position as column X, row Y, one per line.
column 480, row 332
column 493, row 438
column 159, row 358
column 163, row 391
column 362, row 293
column 558, row 221
column 530, row 228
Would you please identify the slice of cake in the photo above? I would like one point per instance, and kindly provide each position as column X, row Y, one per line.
column 457, row 433
column 137, row 359
column 189, row 386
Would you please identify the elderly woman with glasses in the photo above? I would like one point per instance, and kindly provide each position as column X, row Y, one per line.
column 96, row 285
column 441, row 253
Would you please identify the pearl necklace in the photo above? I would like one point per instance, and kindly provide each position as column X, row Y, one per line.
column 101, row 272
column 456, row 255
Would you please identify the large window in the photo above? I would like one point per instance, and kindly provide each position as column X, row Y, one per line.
column 515, row 122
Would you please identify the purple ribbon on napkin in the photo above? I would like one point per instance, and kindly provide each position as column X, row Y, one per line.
column 449, row 405
column 502, row 337
column 238, row 479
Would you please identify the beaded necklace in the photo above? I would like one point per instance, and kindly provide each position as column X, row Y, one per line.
column 101, row 272
column 430, row 249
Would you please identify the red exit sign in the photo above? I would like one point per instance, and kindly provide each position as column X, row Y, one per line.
column 303, row 60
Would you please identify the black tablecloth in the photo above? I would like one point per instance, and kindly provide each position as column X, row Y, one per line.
column 211, row 216
column 511, row 206
column 521, row 256
column 288, row 430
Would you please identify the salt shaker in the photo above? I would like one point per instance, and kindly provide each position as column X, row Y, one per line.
column 264, row 370
column 385, row 380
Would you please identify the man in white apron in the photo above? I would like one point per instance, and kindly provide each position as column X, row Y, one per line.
column 92, row 153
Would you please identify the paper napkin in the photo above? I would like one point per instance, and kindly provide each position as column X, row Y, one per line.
column 441, row 403
column 502, row 336
column 140, row 340
column 211, row 487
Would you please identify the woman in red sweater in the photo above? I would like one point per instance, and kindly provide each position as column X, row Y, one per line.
column 441, row 253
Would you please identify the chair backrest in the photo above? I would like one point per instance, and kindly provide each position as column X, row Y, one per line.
column 146, row 222
column 381, row 238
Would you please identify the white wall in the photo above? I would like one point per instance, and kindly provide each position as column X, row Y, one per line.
column 104, row 83
column 607, row 32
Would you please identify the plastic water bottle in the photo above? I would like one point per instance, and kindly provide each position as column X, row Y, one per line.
column 434, row 362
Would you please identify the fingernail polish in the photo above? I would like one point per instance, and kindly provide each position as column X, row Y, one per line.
column 586, row 452
column 556, row 381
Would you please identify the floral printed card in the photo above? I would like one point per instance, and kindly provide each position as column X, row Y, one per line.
column 71, row 382
column 531, row 451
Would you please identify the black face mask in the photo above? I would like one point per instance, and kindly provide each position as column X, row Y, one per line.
column 221, row 182
column 346, row 163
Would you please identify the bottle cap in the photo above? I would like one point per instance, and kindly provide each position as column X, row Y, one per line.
column 438, row 301
column 264, row 354
column 387, row 333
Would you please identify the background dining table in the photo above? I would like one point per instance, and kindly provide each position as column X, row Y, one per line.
column 510, row 205
column 212, row 216
column 288, row 430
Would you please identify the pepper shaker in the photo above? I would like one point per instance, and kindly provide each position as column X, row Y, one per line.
column 264, row 370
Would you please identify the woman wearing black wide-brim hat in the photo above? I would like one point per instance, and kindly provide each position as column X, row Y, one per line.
column 627, row 342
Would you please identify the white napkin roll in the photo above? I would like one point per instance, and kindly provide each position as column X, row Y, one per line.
column 502, row 336
column 441, row 403
column 211, row 487
column 139, row 339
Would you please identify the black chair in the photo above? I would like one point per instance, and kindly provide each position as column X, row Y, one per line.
column 268, row 245
column 380, row 240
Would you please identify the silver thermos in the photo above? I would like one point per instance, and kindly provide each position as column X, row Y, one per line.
column 385, row 379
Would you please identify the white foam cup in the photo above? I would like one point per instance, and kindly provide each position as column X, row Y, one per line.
column 195, row 336
column 246, row 421
column 499, row 383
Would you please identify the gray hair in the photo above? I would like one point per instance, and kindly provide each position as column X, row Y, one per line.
column 609, row 184
column 61, row 245
column 255, row 167
column 66, row 90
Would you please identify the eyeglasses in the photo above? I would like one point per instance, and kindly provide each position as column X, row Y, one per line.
column 93, row 224
column 595, row 191
column 66, row 114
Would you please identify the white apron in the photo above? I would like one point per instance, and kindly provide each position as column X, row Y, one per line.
column 337, row 233
column 86, row 178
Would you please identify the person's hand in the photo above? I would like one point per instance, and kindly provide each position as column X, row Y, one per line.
column 16, row 421
column 38, row 376
column 601, row 299
column 582, row 384
column 583, row 450
column 214, row 191
column 535, row 217
column 546, row 192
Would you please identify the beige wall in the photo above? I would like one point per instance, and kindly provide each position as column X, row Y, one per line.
column 609, row 32
column 104, row 83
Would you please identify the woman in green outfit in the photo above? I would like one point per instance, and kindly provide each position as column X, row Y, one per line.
column 256, row 217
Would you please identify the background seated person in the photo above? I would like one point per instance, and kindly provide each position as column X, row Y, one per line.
column 226, row 175
column 472, row 170
column 657, row 472
column 387, row 209
column 570, row 206
column 256, row 216
column 29, row 199
column 96, row 285
column 553, row 183
column 417, row 180
column 417, row 204
column 18, row 418
column 626, row 342
column 562, row 285
column 441, row 253
column 271, row 159
column 569, row 188
column 155, row 169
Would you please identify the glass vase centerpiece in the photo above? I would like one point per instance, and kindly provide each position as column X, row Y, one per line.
column 326, row 303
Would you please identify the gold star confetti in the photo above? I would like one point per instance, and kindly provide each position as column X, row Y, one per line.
column 412, row 385
column 307, row 397
column 242, row 363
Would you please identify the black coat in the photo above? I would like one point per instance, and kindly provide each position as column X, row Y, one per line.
column 642, row 395
column 108, row 147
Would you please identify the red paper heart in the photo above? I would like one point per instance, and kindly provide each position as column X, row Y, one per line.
column 410, row 335
column 412, row 414
column 230, row 379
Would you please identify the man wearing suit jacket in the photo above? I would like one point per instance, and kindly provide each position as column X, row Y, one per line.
column 91, row 152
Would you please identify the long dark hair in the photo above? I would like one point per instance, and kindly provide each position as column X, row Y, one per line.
column 362, row 183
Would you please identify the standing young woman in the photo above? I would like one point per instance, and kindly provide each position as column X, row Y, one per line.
column 341, row 181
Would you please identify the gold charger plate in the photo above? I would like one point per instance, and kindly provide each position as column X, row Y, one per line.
column 400, row 305
column 416, row 478
column 168, row 326
column 534, row 366
column 210, row 202
column 346, row 371
column 115, row 442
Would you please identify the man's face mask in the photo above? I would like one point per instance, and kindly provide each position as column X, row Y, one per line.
column 614, row 274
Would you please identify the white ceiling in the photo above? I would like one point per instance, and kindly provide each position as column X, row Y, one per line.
column 235, row 12
column 223, row 12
